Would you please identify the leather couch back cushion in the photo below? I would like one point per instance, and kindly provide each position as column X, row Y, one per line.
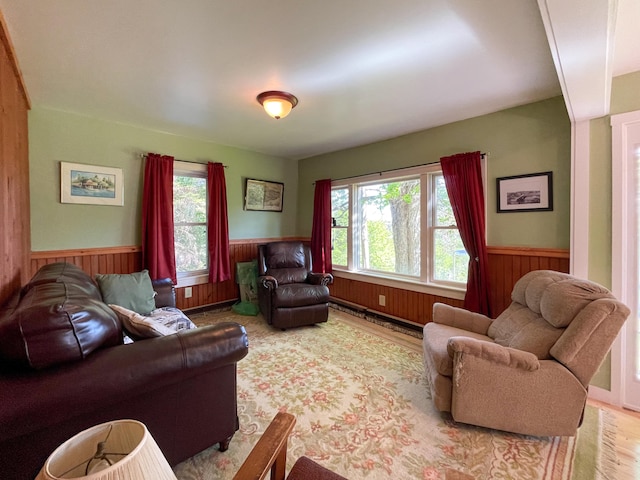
column 284, row 255
column 59, row 318
column 288, row 275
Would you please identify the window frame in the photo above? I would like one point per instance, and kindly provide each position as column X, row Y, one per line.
column 198, row 170
column 425, row 282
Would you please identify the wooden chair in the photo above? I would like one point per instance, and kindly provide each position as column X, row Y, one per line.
column 270, row 455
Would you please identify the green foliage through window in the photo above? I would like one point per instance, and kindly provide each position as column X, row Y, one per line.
column 190, row 222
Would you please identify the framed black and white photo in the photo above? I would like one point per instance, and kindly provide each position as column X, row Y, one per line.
column 91, row 184
column 525, row 193
column 263, row 196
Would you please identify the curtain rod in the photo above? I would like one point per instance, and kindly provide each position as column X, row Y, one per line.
column 482, row 155
column 144, row 155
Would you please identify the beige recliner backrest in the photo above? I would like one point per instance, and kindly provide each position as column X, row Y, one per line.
column 555, row 315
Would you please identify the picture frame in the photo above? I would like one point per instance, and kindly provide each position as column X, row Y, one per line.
column 262, row 195
column 91, row 184
column 532, row 192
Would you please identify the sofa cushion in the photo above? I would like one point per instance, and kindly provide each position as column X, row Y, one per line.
column 133, row 291
column 160, row 322
column 59, row 318
column 300, row 295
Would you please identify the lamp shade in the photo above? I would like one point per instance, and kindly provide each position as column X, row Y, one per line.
column 276, row 103
column 122, row 449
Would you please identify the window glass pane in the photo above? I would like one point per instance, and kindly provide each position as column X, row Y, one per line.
column 340, row 207
column 189, row 199
column 339, row 246
column 451, row 260
column 191, row 248
column 389, row 236
column 444, row 212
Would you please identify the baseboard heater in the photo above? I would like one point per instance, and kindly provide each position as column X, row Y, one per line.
column 360, row 310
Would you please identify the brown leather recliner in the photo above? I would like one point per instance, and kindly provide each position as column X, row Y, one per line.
column 289, row 293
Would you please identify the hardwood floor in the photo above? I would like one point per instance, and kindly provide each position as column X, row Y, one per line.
column 627, row 440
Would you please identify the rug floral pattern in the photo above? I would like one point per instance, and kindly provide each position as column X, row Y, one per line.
column 363, row 410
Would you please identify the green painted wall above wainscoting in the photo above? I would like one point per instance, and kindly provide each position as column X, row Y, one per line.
column 526, row 139
column 56, row 136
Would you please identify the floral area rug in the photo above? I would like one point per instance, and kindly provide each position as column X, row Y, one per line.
column 363, row 410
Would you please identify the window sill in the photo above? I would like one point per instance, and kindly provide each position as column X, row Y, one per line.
column 190, row 280
column 414, row 286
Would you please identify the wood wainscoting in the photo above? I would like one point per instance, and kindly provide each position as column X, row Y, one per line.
column 15, row 230
column 129, row 259
column 506, row 266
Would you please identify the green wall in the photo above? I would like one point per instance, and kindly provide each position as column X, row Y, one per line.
column 56, row 136
column 527, row 139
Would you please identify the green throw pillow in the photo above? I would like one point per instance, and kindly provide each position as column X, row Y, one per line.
column 133, row 291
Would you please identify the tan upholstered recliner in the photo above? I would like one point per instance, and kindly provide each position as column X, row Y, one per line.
column 528, row 370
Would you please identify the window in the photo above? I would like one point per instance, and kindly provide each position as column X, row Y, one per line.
column 190, row 219
column 398, row 225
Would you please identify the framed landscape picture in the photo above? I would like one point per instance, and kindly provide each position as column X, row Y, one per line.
column 525, row 193
column 264, row 196
column 91, row 184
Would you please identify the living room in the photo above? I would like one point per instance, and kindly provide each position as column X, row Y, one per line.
column 536, row 136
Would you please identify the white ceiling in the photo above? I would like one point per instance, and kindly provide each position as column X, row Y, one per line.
column 363, row 70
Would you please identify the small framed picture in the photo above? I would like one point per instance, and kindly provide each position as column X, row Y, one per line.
column 525, row 193
column 91, row 184
column 264, row 196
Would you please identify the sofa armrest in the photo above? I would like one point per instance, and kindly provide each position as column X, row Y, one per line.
column 461, row 318
column 165, row 292
column 33, row 399
column 268, row 282
column 320, row 278
column 492, row 352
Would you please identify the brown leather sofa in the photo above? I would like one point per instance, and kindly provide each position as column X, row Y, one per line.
column 74, row 372
column 290, row 294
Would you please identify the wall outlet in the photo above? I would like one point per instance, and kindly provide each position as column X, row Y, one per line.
column 188, row 292
column 382, row 301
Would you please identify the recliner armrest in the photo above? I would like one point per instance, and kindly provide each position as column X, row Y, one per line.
column 461, row 318
column 320, row 278
column 268, row 282
column 494, row 353
column 165, row 292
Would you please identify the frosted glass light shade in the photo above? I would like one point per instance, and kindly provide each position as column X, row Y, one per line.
column 277, row 104
column 142, row 460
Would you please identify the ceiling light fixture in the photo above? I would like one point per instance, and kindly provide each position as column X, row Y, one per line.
column 276, row 103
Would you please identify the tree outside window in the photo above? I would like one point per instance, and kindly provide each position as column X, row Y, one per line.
column 190, row 222
column 387, row 226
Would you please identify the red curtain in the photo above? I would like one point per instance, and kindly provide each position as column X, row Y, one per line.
column 158, row 250
column 217, row 224
column 321, row 230
column 463, row 179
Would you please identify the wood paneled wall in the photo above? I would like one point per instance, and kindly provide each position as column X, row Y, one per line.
column 129, row 259
column 507, row 265
column 15, row 225
column 403, row 304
